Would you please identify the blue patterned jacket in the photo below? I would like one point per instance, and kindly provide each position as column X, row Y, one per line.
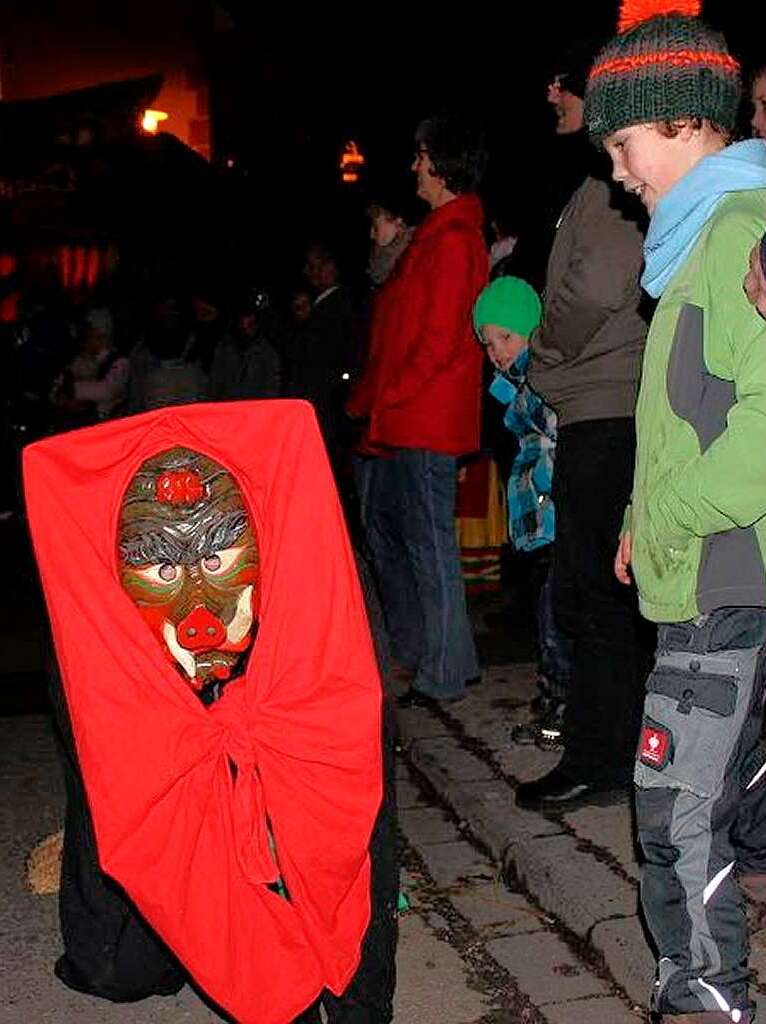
column 531, row 519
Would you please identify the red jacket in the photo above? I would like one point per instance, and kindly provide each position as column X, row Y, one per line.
column 422, row 385
column 184, row 835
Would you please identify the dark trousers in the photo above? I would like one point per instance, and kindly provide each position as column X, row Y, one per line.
column 369, row 999
column 591, row 487
column 556, row 649
column 109, row 950
column 701, row 804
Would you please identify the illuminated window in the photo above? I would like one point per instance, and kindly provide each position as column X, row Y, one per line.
column 151, row 120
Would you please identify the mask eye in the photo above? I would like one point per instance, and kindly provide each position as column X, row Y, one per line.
column 163, row 574
column 220, row 561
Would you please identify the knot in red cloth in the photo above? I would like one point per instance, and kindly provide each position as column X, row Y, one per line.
column 248, row 808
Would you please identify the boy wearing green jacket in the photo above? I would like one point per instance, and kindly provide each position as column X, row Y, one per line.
column 662, row 99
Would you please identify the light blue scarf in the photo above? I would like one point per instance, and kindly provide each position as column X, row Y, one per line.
column 683, row 212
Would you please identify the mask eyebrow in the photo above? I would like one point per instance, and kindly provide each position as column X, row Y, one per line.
column 222, row 534
column 154, row 547
column 183, row 543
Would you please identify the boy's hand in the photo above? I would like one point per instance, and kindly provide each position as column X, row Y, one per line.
column 622, row 559
column 755, row 281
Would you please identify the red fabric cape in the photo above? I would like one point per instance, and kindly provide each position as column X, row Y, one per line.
column 174, row 827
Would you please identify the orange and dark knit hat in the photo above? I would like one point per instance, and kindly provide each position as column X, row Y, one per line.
column 664, row 64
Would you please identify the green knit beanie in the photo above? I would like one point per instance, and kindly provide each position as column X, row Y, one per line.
column 508, row 302
column 664, row 65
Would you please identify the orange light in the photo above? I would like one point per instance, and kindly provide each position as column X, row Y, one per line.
column 351, row 156
column 151, row 120
column 350, row 162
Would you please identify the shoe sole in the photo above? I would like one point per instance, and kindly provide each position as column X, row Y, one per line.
column 601, row 798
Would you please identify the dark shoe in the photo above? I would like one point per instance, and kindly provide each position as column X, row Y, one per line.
column 398, row 673
column 526, row 733
column 704, row 1017
column 540, row 705
column 550, row 734
column 412, row 698
column 557, row 791
column 551, row 738
column 67, row 973
column 545, row 729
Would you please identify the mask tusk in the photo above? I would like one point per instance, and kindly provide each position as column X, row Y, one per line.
column 242, row 622
column 185, row 659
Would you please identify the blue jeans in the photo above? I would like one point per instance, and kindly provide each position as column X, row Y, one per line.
column 407, row 504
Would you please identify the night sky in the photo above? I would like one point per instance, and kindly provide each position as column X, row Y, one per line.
column 288, row 89
column 372, row 75
column 375, row 74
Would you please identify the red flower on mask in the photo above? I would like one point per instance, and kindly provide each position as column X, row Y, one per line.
column 181, row 487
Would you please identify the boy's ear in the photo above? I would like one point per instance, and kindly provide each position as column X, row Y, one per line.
column 686, row 129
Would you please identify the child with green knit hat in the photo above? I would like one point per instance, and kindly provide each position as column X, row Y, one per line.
column 505, row 315
column 662, row 99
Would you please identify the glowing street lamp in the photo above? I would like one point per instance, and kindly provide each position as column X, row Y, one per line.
column 152, row 119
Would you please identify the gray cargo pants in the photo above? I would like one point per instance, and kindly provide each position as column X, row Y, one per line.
column 699, row 771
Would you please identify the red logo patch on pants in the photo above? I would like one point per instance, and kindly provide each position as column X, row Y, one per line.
column 655, row 748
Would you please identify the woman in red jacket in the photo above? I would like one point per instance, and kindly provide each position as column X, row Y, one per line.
column 420, row 395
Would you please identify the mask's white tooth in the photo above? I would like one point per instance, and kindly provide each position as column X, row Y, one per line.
column 242, row 622
column 184, row 658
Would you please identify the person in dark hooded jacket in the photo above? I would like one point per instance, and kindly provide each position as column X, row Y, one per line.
column 245, row 365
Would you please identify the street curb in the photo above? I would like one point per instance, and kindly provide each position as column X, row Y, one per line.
column 562, row 874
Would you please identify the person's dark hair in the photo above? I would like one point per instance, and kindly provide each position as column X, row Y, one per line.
column 573, row 63
column 456, row 146
column 395, row 198
column 329, row 252
column 503, row 218
column 326, row 251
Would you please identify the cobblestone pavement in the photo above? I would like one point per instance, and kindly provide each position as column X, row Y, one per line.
column 471, row 952
column 578, row 867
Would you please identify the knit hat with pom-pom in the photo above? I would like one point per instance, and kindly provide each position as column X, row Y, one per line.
column 665, row 64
